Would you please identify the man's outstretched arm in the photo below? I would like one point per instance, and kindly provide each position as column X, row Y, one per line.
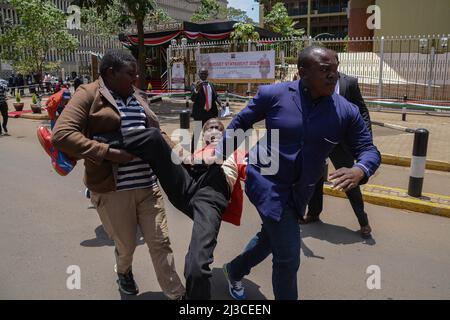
column 367, row 156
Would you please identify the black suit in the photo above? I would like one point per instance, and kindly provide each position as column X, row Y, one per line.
column 199, row 112
column 341, row 155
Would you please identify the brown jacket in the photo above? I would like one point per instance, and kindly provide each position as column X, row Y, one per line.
column 93, row 110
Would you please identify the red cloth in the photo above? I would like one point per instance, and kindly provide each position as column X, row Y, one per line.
column 17, row 114
column 233, row 212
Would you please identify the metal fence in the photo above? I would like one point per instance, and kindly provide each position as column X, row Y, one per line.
column 417, row 67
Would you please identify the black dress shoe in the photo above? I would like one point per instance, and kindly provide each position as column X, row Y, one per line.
column 366, row 232
column 127, row 284
column 309, row 219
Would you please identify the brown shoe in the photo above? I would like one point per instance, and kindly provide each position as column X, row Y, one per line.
column 309, row 219
column 365, row 231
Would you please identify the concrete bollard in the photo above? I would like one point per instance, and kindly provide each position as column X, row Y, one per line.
column 184, row 119
column 418, row 162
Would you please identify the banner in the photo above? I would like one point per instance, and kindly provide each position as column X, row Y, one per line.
column 178, row 75
column 255, row 66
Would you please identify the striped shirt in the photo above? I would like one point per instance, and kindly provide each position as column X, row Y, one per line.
column 135, row 174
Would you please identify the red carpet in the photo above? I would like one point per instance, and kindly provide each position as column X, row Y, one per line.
column 17, row 114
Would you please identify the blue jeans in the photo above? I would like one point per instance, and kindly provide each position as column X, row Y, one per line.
column 282, row 240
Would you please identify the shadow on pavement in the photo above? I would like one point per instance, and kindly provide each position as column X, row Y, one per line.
column 101, row 239
column 219, row 287
column 332, row 233
column 219, row 290
column 149, row 295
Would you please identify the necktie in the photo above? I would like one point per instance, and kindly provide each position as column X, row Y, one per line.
column 205, row 89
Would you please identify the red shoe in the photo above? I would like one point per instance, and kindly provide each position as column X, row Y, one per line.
column 60, row 161
column 63, row 165
column 45, row 138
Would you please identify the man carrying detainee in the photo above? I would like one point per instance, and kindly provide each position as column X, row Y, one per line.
column 123, row 188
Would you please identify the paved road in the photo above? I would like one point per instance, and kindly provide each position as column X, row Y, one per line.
column 45, row 227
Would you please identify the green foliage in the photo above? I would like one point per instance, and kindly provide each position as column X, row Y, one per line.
column 42, row 29
column 158, row 15
column 34, row 98
column 346, row 44
column 278, row 20
column 112, row 16
column 18, row 96
column 212, row 10
column 135, row 11
column 209, row 10
column 238, row 15
column 105, row 25
column 244, row 32
column 131, row 10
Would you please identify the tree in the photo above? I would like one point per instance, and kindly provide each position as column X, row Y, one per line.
column 238, row 15
column 158, row 15
column 136, row 11
column 209, row 10
column 42, row 29
column 278, row 20
column 244, row 32
column 106, row 26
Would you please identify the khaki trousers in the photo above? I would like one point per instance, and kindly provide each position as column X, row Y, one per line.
column 121, row 212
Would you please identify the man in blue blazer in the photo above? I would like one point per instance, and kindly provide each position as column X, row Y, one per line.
column 310, row 120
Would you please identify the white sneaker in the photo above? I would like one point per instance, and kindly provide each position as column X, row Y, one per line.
column 235, row 288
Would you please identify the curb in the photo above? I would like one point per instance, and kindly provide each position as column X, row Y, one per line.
column 35, row 116
column 406, row 162
column 438, row 205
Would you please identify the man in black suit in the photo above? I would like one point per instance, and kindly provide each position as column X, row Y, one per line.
column 206, row 103
column 205, row 98
column 342, row 157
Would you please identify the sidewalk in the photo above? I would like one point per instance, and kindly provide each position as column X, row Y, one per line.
column 401, row 143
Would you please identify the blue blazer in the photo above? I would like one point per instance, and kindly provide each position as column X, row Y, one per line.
column 307, row 132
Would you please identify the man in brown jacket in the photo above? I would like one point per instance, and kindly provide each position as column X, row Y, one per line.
column 123, row 188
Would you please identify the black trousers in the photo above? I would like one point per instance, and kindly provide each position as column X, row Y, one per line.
column 4, row 112
column 340, row 157
column 202, row 197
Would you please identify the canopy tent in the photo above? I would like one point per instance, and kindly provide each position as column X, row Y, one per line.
column 210, row 31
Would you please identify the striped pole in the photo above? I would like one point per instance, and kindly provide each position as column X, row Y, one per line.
column 404, row 108
column 418, row 162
